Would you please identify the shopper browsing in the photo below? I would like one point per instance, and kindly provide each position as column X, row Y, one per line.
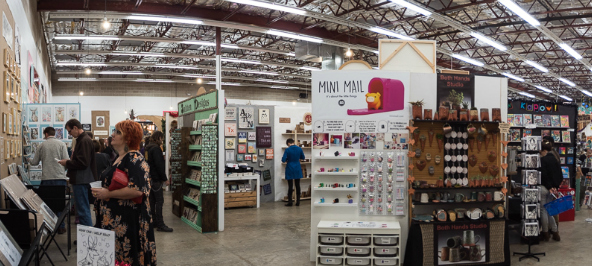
column 155, row 159
column 53, row 174
column 81, row 169
column 550, row 180
column 292, row 156
column 118, row 209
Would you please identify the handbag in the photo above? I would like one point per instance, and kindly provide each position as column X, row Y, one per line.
column 119, row 181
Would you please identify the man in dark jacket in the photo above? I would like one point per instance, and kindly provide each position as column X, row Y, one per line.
column 155, row 160
column 81, row 169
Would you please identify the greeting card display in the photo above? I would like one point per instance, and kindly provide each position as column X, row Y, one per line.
column 531, row 161
column 531, row 143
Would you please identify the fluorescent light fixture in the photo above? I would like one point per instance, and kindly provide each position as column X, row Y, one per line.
column 294, row 36
column 526, row 94
column 119, row 73
column 284, row 87
column 537, row 66
column 567, row 82
column 491, row 42
column 383, row 31
column 82, row 37
column 570, row 51
column 173, row 66
column 198, row 76
column 199, row 43
column 77, row 79
column 259, row 72
column 140, row 54
column 155, row 80
column 310, row 68
column 269, row 6
column 233, row 60
column 272, row 80
column 291, row 54
column 586, row 92
column 566, row 98
column 166, row 19
column 468, row 60
column 230, row 46
column 513, row 77
column 544, row 89
column 520, row 12
column 79, row 64
column 225, row 83
column 413, row 7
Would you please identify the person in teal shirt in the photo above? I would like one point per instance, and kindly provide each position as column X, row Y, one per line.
column 292, row 156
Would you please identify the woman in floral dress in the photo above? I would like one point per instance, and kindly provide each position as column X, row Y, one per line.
column 131, row 222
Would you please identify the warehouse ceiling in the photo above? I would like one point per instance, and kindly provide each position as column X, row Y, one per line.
column 262, row 41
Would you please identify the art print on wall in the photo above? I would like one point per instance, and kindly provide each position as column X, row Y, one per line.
column 230, row 113
column 252, row 136
column 264, row 137
column 269, row 154
column 240, row 157
column 33, row 114
column 4, row 122
column 242, row 137
column 246, row 119
column 46, row 114
column 100, row 121
column 73, row 112
column 230, row 129
column 263, row 116
column 242, row 148
column 261, row 152
column 59, row 132
column 229, row 143
column 248, row 157
column 254, row 158
column 252, row 147
column 230, row 155
column 60, row 113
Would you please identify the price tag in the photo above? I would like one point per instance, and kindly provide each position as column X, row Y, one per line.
column 504, row 128
column 530, row 126
column 570, row 129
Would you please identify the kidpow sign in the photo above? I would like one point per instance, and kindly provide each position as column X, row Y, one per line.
column 539, row 107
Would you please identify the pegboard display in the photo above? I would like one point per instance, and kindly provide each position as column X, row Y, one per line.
column 209, row 159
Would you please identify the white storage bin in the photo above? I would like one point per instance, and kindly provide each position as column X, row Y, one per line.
column 386, row 240
column 330, row 250
column 360, row 240
column 386, row 251
column 358, row 251
column 357, row 261
column 330, row 260
column 328, row 239
column 386, row 261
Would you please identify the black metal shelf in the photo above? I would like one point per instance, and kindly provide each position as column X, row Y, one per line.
column 455, row 122
column 455, row 203
column 454, row 188
column 458, row 221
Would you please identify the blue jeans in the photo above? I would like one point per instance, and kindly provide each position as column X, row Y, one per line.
column 81, row 204
column 56, row 182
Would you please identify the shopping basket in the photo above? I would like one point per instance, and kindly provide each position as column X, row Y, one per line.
column 560, row 204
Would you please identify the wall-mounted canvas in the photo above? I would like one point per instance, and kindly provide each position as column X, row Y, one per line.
column 263, row 116
column 246, row 120
column 230, row 129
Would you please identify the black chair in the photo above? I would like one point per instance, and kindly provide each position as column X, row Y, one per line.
column 51, row 237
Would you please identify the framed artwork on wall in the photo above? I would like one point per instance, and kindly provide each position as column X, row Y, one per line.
column 230, row 129
column 6, row 86
column 242, row 137
column 240, row 157
column 268, row 154
column 7, row 149
column 263, row 116
column 245, row 118
column 9, row 124
column 252, row 136
column 229, row 143
column 12, row 89
column 261, row 152
column 254, row 158
column 6, row 57
column 230, row 155
column 252, row 148
column 4, row 122
column 230, row 113
column 242, row 148
column 248, row 157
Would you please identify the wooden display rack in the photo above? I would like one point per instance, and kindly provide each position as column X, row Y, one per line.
column 240, row 199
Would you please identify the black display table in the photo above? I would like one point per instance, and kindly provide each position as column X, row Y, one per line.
column 426, row 241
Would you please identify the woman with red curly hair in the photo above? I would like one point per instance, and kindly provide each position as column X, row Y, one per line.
column 117, row 210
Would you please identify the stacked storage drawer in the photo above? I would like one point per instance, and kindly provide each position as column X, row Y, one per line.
column 358, row 249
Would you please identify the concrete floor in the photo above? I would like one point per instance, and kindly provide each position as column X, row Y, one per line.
column 278, row 235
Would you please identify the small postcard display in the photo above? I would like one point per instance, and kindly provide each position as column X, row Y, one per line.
column 531, row 182
column 38, row 116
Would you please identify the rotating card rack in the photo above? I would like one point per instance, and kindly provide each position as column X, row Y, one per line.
column 531, row 194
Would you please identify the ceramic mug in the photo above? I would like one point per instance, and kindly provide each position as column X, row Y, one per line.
column 425, row 198
column 456, row 255
column 444, row 253
column 488, row 196
column 474, row 196
column 469, row 238
column 454, row 242
column 498, row 196
column 446, row 128
column 475, row 253
column 459, row 197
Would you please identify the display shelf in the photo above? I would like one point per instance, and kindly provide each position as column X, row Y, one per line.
column 194, row 163
column 454, row 188
column 300, row 163
column 193, row 225
column 458, row 221
column 192, row 201
column 194, row 133
column 300, row 147
column 194, row 147
column 193, row 182
column 335, row 204
column 293, row 133
column 336, row 189
column 454, row 203
column 336, row 173
column 336, row 158
column 300, row 179
column 541, row 127
column 453, row 123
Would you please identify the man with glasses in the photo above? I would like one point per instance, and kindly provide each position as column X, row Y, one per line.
column 81, row 169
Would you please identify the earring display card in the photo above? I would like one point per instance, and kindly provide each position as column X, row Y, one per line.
column 382, row 187
column 456, row 152
column 209, row 159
